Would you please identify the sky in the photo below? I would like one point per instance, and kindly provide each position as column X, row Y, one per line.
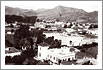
column 88, row 6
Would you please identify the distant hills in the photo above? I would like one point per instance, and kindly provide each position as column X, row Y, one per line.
column 61, row 13
column 18, row 11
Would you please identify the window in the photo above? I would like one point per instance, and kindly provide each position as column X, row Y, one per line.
column 54, row 58
column 63, row 59
column 72, row 58
column 68, row 59
column 39, row 54
column 50, row 56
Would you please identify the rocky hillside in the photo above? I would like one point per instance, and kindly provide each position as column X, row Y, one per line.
column 18, row 11
column 60, row 12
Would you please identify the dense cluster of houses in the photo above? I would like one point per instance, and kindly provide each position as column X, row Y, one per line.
column 55, row 55
column 56, row 26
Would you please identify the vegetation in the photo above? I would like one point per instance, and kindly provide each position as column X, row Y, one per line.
column 49, row 40
column 24, row 58
column 55, row 44
column 93, row 26
column 90, row 50
column 15, row 18
column 8, row 59
column 24, row 38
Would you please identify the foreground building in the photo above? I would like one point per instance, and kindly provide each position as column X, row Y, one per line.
column 56, row 55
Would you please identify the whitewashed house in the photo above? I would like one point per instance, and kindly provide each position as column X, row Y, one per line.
column 11, row 51
column 42, row 50
column 39, row 24
column 55, row 54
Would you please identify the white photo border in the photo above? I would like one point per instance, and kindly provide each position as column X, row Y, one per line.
column 3, row 66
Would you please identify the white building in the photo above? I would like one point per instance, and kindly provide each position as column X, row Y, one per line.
column 59, row 23
column 54, row 55
column 42, row 50
column 94, row 32
column 69, row 30
column 66, row 39
column 11, row 51
column 13, row 54
column 39, row 24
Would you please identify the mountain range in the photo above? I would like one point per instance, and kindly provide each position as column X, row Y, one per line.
column 60, row 12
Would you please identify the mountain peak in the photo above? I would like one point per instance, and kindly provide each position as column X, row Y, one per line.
column 67, row 13
column 59, row 6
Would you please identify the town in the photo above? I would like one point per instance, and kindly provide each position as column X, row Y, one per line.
column 31, row 41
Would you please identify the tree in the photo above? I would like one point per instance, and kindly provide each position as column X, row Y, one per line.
column 55, row 44
column 25, row 43
column 29, row 53
column 21, row 33
column 60, row 15
column 87, row 63
column 8, row 43
column 59, row 61
column 12, row 30
column 95, row 26
column 65, row 26
column 49, row 40
column 16, row 18
column 30, row 19
column 32, row 62
column 57, row 19
column 91, row 26
column 39, row 34
column 13, row 18
column 18, row 59
column 40, row 39
column 72, row 49
column 31, row 41
column 8, row 19
column 38, row 20
column 8, row 59
column 70, row 25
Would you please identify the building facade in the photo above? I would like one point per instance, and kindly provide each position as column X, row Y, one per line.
column 55, row 55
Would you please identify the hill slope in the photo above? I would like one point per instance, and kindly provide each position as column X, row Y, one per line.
column 60, row 12
column 18, row 11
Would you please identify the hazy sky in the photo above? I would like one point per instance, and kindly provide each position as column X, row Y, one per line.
column 88, row 6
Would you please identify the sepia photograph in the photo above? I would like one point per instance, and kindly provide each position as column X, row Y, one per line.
column 51, row 34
